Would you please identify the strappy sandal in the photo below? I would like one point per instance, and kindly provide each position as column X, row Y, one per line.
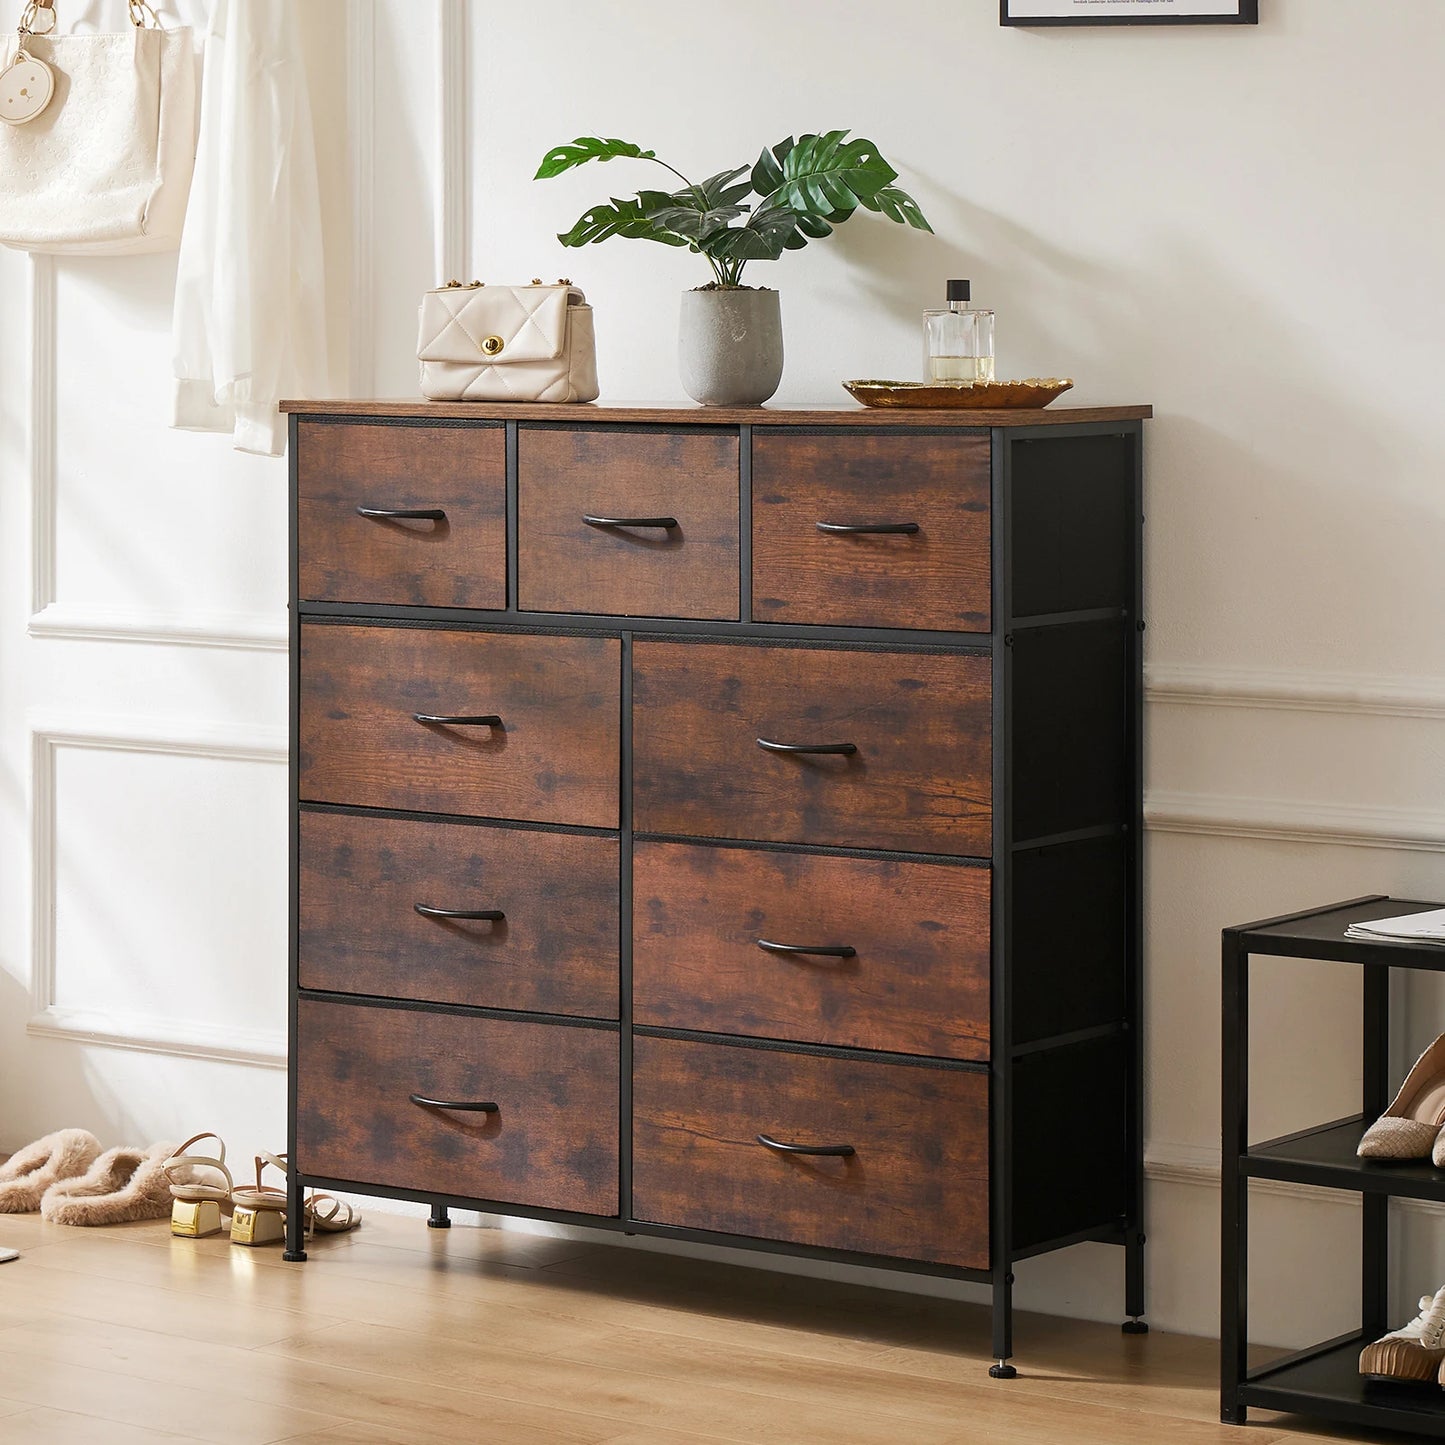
column 260, row 1213
column 326, row 1214
column 201, row 1188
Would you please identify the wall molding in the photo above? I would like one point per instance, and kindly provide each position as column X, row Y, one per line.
column 247, row 631
column 1289, row 820
column 44, row 423
column 132, row 1030
column 50, row 618
column 453, row 198
column 361, row 141
column 1296, row 691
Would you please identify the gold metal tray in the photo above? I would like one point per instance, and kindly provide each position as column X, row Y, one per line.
column 1037, row 391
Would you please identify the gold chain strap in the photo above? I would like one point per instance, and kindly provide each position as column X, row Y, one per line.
column 141, row 16
column 32, row 12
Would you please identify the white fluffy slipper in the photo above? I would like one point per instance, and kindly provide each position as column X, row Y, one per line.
column 30, row 1171
column 123, row 1185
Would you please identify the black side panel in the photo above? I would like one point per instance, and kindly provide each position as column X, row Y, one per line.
column 1070, row 1140
column 1071, row 738
column 1073, row 524
column 1070, row 922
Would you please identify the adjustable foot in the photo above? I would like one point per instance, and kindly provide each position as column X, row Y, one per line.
column 1134, row 1327
column 1002, row 1370
column 439, row 1218
column 294, row 1256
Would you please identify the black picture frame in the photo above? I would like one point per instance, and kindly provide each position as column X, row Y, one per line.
column 1248, row 14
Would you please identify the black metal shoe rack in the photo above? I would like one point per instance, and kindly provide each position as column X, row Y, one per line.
column 1322, row 1380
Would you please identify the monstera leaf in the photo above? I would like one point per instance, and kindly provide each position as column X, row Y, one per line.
column 619, row 218
column 823, row 174
column 588, row 148
column 898, row 206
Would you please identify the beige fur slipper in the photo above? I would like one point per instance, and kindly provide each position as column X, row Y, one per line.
column 123, row 1185
column 30, row 1171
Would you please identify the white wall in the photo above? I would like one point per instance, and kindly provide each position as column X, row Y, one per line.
column 1238, row 225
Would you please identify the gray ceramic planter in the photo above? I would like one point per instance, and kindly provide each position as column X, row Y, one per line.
column 730, row 346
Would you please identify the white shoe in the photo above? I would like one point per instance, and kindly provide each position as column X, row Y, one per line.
column 1414, row 1352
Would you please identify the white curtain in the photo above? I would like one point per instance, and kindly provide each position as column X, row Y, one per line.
column 250, row 316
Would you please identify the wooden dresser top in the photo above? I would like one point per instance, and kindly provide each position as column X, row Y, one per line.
column 821, row 414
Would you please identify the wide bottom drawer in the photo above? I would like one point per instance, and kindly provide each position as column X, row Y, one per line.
column 389, row 1097
column 913, row 1183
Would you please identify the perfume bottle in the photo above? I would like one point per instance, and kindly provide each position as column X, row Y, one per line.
column 957, row 341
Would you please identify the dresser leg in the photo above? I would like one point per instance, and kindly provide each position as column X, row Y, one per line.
column 440, row 1219
column 1134, row 1284
column 1003, row 1326
column 294, row 1252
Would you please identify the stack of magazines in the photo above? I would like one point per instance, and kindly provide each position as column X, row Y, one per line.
column 1427, row 927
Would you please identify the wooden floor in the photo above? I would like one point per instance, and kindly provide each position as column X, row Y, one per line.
column 398, row 1333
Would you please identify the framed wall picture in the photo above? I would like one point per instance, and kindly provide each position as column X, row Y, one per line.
column 1129, row 12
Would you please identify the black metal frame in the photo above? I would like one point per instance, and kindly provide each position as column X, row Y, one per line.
column 1323, row 1379
column 1248, row 15
column 1125, row 1230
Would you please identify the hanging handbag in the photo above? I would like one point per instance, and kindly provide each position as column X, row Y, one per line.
column 98, row 138
column 507, row 343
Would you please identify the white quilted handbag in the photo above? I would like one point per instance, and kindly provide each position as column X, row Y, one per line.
column 99, row 139
column 507, row 343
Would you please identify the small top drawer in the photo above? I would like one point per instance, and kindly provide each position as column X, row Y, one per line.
column 491, row 726
column 856, row 747
column 629, row 523
column 867, row 529
column 356, row 484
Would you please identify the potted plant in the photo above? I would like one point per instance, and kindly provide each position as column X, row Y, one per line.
column 731, row 337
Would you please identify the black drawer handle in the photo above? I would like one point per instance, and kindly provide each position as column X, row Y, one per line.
column 845, row 750
column 484, row 720
column 668, row 524
column 465, row 1106
column 850, row 529
column 840, row 1151
column 490, row 915
column 822, row 950
column 403, row 514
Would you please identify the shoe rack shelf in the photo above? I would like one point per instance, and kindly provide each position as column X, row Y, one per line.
column 1322, row 1380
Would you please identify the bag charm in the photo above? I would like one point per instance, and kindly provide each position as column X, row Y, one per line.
column 27, row 84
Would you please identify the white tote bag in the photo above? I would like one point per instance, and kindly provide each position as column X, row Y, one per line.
column 104, row 168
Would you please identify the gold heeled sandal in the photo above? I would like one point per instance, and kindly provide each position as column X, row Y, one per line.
column 201, row 1189
column 260, row 1213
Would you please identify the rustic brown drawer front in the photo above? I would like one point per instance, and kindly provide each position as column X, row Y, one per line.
column 916, row 1184
column 915, row 982
column 934, row 577
column 456, row 560
column 566, row 564
column 919, row 780
column 552, row 1141
column 552, row 759
column 364, row 882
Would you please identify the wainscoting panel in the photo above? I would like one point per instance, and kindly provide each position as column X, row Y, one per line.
column 159, row 888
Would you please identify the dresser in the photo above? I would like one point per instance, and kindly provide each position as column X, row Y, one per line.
column 723, row 825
